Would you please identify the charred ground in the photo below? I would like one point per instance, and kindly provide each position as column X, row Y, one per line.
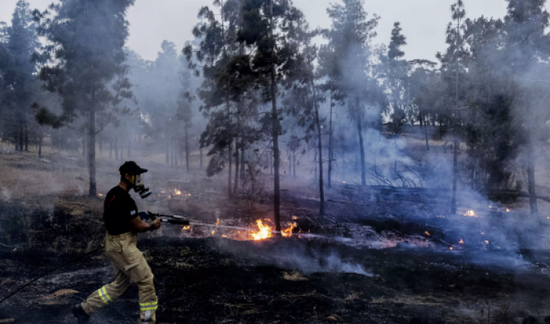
column 385, row 256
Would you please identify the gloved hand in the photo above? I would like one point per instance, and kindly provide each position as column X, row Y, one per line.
column 155, row 225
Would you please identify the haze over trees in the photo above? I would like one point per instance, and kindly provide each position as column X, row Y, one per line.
column 253, row 83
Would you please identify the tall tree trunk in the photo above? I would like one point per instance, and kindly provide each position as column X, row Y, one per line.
column 236, row 183
column 116, row 148
column 270, row 163
column 200, row 156
column 275, row 131
column 168, row 150
column 294, row 163
column 110, row 148
column 121, row 150
column 187, row 150
column 26, row 130
column 242, row 163
column 175, row 150
column 426, row 134
column 40, row 146
column 182, row 149
column 91, row 151
column 455, row 175
column 128, row 153
column 320, row 149
column 361, row 147
column 315, row 165
column 330, row 148
column 21, row 135
column 100, row 140
column 84, row 144
column 230, row 173
column 344, row 165
column 531, row 180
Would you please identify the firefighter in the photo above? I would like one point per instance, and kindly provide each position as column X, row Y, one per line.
column 121, row 219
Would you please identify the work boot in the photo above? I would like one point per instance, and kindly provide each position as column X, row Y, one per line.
column 80, row 314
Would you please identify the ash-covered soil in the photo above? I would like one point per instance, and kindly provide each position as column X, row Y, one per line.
column 380, row 256
column 279, row 280
column 215, row 280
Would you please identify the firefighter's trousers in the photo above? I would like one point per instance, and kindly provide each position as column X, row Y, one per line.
column 129, row 266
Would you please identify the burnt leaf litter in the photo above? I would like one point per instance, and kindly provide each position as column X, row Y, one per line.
column 346, row 277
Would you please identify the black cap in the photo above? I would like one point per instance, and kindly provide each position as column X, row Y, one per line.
column 132, row 168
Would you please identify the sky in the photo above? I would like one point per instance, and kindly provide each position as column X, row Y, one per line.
column 423, row 21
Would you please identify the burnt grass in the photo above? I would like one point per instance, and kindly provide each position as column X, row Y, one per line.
column 280, row 280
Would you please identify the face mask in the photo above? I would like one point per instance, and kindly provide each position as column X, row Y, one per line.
column 139, row 186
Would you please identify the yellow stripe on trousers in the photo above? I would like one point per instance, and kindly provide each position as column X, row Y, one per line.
column 148, row 304
column 106, row 294
column 149, row 308
column 101, row 296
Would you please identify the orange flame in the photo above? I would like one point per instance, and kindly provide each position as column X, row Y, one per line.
column 461, row 241
column 100, row 195
column 264, row 231
column 486, row 242
column 287, row 232
column 427, row 233
column 507, row 210
column 470, row 213
column 186, row 228
column 177, row 192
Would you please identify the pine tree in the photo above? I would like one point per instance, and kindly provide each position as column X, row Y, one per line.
column 304, row 95
column 22, row 44
column 85, row 63
column 452, row 68
column 397, row 74
column 356, row 77
column 265, row 28
column 526, row 55
column 185, row 110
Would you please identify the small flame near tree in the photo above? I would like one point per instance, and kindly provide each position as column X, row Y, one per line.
column 427, row 233
column 264, row 231
column 287, row 232
column 177, row 192
column 461, row 241
column 470, row 213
